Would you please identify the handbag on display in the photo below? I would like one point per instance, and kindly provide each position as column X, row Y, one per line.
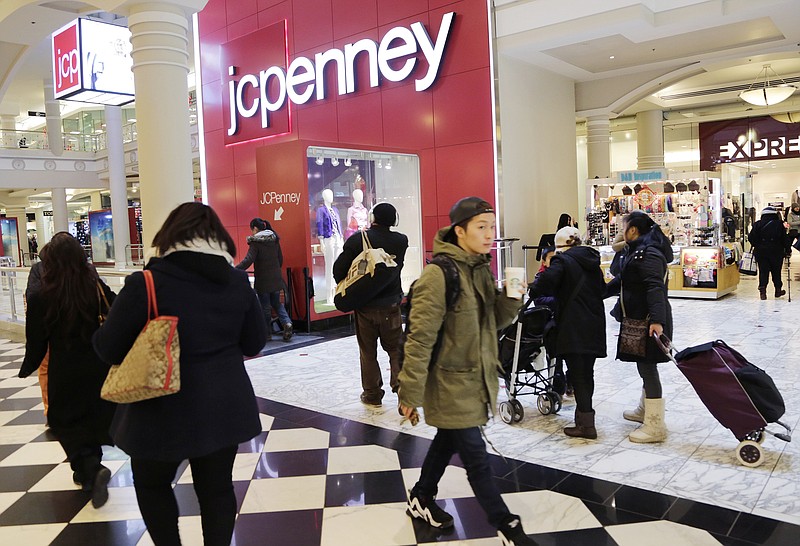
column 367, row 276
column 633, row 334
column 748, row 264
column 151, row 368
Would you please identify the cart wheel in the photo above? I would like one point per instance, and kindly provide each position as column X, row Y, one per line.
column 545, row 404
column 555, row 402
column 757, row 436
column 749, row 453
column 506, row 412
column 519, row 413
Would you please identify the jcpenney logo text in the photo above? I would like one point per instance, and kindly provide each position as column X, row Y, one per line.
column 305, row 78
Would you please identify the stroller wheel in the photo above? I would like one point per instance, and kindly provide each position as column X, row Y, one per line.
column 506, row 412
column 750, row 453
column 519, row 413
column 545, row 404
column 556, row 401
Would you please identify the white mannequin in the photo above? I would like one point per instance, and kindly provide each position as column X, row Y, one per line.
column 357, row 215
column 331, row 247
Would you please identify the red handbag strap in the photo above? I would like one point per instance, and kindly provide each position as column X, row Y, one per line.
column 152, row 305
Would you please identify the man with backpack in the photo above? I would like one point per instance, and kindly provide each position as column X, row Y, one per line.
column 379, row 318
column 458, row 389
column 768, row 238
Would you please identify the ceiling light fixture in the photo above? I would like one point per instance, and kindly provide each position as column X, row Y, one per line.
column 766, row 93
column 335, row 161
column 348, row 162
column 319, row 161
column 388, row 164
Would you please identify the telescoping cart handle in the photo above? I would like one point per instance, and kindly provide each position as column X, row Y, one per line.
column 665, row 344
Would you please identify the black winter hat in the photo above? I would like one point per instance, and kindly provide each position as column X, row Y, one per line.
column 384, row 214
column 467, row 208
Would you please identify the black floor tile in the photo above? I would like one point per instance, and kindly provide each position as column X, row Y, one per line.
column 584, row 487
column 364, row 488
column 46, row 436
column 296, row 416
column 398, row 441
column 282, row 424
column 5, row 393
column 122, row 477
column 413, row 459
column 31, row 417
column 118, row 533
column 703, row 516
column 641, row 501
column 271, row 407
column 291, row 528
column 581, row 537
column 187, row 499
column 283, row 464
column 511, row 486
column 22, row 478
column 8, row 449
column 537, row 476
column 765, row 531
column 12, row 404
column 254, row 445
column 45, row 507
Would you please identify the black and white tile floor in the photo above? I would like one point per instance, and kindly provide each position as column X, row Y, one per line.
column 328, row 471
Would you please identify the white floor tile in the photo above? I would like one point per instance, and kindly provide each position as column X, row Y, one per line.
column 296, row 439
column 353, row 459
column 31, row 535
column 453, row 485
column 660, row 533
column 547, row 512
column 371, row 525
column 121, row 506
column 7, row 499
column 189, row 527
column 36, row 453
column 281, row 494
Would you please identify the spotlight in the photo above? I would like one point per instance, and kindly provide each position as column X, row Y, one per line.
column 379, row 164
column 388, row 164
column 319, row 161
column 335, row 161
column 348, row 162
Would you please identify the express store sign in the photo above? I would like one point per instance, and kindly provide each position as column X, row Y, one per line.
column 261, row 87
column 749, row 139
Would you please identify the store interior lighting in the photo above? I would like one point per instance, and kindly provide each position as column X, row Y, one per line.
column 348, row 162
column 388, row 164
column 335, row 161
column 319, row 161
column 762, row 92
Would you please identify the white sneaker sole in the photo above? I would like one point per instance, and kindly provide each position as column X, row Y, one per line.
column 416, row 511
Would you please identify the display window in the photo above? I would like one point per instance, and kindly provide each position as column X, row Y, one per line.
column 343, row 185
column 8, row 228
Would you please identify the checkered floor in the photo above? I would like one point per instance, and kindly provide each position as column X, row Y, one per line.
column 312, row 479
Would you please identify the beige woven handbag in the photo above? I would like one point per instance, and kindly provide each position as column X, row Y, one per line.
column 151, row 368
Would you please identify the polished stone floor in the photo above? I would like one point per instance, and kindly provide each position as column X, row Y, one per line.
column 327, row 470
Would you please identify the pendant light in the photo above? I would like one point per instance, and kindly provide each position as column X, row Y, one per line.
column 764, row 93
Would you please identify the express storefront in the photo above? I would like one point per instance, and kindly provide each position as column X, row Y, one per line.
column 315, row 111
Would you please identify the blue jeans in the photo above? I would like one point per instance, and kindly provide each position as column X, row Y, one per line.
column 268, row 301
column 468, row 443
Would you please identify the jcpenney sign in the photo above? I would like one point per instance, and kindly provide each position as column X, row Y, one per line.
column 259, row 93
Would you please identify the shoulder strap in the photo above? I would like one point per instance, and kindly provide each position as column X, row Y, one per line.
column 152, row 305
column 578, row 285
column 452, row 281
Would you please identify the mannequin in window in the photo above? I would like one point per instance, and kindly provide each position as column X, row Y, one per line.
column 357, row 215
column 329, row 232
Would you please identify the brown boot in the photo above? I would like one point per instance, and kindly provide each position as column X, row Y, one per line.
column 584, row 426
column 779, row 293
column 763, row 293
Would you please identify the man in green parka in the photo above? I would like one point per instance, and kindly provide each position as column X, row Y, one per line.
column 458, row 391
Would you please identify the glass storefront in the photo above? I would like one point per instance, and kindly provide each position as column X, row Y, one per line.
column 343, row 185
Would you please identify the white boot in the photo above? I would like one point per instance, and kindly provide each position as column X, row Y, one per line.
column 653, row 430
column 636, row 414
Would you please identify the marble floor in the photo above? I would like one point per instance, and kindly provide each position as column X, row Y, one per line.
column 327, row 470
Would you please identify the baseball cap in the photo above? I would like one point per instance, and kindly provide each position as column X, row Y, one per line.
column 567, row 236
column 468, row 207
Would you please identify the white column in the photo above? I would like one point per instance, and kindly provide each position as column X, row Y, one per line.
column 159, row 35
column 117, row 185
column 650, row 139
column 42, row 228
column 8, row 125
column 52, row 109
column 598, row 146
column 60, row 221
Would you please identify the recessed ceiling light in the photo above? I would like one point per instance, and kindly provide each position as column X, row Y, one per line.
column 611, row 57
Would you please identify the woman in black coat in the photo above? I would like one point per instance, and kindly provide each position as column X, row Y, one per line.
column 63, row 313
column 220, row 320
column 642, row 285
column 576, row 280
column 265, row 254
column 768, row 237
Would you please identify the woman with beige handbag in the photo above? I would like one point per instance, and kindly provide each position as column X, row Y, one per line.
column 62, row 314
column 219, row 321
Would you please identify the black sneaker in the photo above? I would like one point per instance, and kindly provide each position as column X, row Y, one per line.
column 511, row 533
column 287, row 331
column 100, row 487
column 370, row 401
column 426, row 509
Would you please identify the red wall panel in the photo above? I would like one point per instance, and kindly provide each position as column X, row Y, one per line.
column 449, row 126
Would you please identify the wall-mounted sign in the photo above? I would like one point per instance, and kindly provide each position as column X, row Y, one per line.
column 33, row 114
column 47, row 213
column 92, row 63
column 750, row 139
column 258, row 88
column 649, row 175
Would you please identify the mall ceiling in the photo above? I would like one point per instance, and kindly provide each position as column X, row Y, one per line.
column 688, row 57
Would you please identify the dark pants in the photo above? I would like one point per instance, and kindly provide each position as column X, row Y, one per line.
column 469, row 445
column 770, row 264
column 212, row 476
column 268, row 301
column 372, row 324
column 651, row 382
column 581, row 374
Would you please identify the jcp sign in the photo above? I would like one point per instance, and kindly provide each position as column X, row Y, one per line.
column 258, row 92
column 66, row 60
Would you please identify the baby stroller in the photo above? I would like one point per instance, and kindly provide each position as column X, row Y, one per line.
column 527, row 368
column 741, row 396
